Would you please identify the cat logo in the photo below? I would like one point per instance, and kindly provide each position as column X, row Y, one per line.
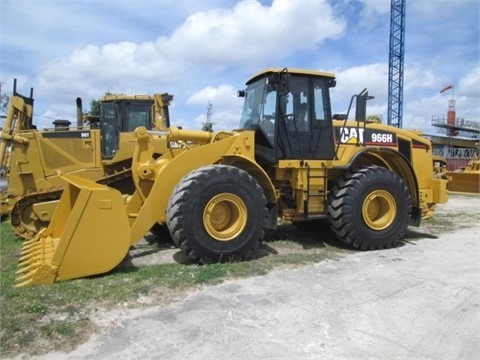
column 368, row 137
column 351, row 135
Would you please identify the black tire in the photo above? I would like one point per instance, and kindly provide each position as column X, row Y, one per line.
column 370, row 209
column 217, row 213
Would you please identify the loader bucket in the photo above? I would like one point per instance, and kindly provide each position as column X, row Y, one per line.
column 464, row 182
column 89, row 234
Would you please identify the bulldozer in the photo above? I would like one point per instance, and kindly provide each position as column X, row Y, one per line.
column 99, row 148
column 467, row 179
column 218, row 193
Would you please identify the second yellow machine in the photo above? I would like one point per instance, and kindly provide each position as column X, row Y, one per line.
column 99, row 149
column 218, row 192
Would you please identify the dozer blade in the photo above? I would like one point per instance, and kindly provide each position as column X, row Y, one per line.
column 464, row 182
column 89, row 234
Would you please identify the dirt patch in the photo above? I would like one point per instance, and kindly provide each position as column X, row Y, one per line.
column 288, row 240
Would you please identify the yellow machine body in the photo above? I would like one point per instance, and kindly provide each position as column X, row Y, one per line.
column 218, row 192
column 66, row 249
column 465, row 180
column 100, row 152
column 19, row 117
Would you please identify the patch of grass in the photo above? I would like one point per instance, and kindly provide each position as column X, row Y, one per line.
column 42, row 318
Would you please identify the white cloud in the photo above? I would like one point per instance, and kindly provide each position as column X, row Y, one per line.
column 371, row 13
column 222, row 120
column 351, row 81
column 247, row 35
column 224, row 95
column 134, row 47
column 470, row 84
column 422, row 98
column 418, row 77
column 226, row 106
column 252, row 33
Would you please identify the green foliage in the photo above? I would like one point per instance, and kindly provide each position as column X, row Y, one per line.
column 207, row 126
column 94, row 107
column 375, row 119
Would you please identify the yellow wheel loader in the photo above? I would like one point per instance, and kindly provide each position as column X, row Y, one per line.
column 100, row 150
column 219, row 192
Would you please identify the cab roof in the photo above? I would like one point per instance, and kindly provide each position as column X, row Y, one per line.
column 107, row 98
column 290, row 71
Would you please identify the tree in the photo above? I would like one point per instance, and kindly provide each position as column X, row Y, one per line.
column 375, row 119
column 207, row 126
column 94, row 107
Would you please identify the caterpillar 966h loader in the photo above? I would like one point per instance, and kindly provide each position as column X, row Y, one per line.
column 101, row 151
column 219, row 192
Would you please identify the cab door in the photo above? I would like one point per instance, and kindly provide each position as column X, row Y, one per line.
column 305, row 125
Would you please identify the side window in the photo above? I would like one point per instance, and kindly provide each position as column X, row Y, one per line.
column 268, row 115
column 110, row 113
column 289, row 104
column 269, row 105
column 109, row 130
column 319, row 108
column 302, row 112
column 297, row 104
column 322, row 113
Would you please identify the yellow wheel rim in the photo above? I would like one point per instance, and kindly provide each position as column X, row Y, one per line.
column 379, row 209
column 225, row 217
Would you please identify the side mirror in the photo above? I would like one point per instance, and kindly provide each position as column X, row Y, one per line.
column 241, row 93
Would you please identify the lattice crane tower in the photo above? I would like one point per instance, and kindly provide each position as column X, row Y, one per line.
column 395, row 63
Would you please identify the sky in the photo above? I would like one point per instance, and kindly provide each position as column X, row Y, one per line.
column 203, row 51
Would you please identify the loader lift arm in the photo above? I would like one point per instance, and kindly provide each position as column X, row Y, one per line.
column 19, row 117
column 70, row 247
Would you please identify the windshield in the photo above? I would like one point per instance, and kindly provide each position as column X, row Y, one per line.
column 138, row 115
column 259, row 108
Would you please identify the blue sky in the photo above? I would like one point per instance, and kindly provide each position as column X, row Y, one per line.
column 203, row 51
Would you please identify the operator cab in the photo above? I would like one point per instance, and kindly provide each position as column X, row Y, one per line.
column 290, row 113
column 120, row 114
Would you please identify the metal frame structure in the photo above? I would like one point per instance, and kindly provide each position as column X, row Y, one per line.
column 395, row 63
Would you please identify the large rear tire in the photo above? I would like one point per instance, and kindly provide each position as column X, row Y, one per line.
column 369, row 209
column 217, row 213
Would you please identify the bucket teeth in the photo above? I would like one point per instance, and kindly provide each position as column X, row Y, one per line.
column 25, row 277
column 35, row 263
column 28, row 247
column 25, row 283
column 29, row 256
column 25, row 269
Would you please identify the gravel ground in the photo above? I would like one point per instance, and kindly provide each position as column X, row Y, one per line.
column 417, row 301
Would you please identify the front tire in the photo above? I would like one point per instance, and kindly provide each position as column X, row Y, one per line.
column 217, row 213
column 369, row 209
